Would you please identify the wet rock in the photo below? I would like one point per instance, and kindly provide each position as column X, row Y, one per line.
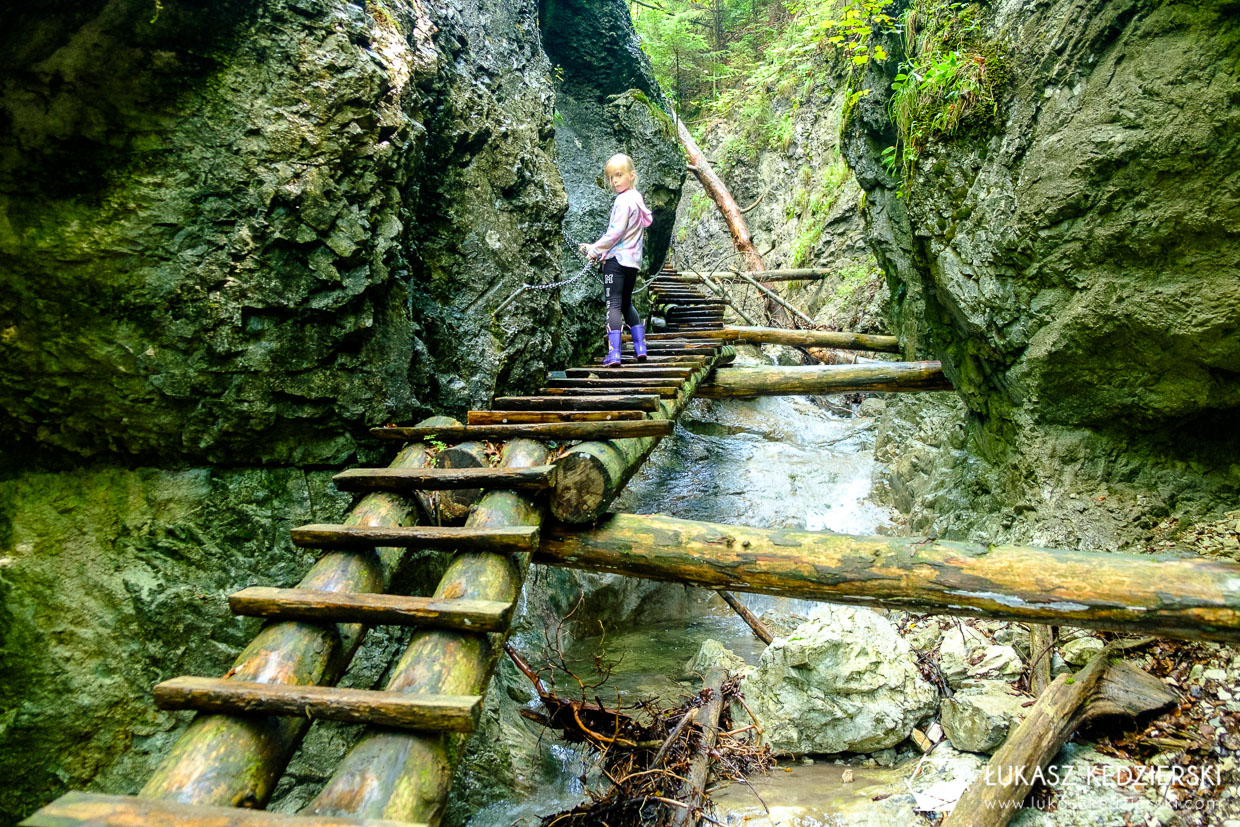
column 872, row 406
column 714, row 655
column 966, row 654
column 978, row 718
column 1080, row 651
column 843, row 681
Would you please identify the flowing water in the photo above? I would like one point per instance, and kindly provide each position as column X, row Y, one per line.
column 775, row 462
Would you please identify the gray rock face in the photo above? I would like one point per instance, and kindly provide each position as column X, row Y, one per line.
column 1074, row 264
column 232, row 237
column 844, row 681
column 286, row 249
column 965, row 654
column 603, row 106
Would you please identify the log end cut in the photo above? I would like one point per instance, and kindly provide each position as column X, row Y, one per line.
column 582, row 488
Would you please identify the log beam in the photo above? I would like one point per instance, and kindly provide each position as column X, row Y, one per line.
column 1176, row 597
column 95, row 810
column 405, row 776
column 230, row 760
column 591, row 474
column 843, row 340
column 746, row 382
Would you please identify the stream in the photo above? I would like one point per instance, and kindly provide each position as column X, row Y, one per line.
column 778, row 462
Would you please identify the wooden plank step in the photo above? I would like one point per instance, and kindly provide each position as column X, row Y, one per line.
column 537, row 430
column 661, row 392
column 372, row 609
column 80, row 809
column 501, row 540
column 619, row 402
column 653, row 382
column 636, row 370
column 697, row 340
column 515, row 417
column 403, row 710
column 404, row 480
column 664, row 361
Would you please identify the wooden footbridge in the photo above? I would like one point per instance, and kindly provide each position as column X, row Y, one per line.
column 536, row 502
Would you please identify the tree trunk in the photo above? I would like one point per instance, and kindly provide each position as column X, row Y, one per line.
column 1101, row 688
column 1196, row 599
column 718, row 191
column 743, row 383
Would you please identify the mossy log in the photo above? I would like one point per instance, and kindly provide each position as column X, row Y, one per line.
column 800, row 338
column 95, row 810
column 406, row 776
column 230, row 760
column 749, row 382
column 591, row 474
column 1176, row 597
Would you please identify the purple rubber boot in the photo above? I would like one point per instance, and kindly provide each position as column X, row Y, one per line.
column 613, row 349
column 639, row 341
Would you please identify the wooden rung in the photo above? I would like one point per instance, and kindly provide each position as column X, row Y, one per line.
column 403, row 710
column 634, row 370
column 537, row 430
column 620, row 402
column 514, row 417
column 371, row 609
column 501, row 540
column 689, row 339
column 615, row 383
column 79, row 809
column 531, row 478
column 665, row 361
column 665, row 392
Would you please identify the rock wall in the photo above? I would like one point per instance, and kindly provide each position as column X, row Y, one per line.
column 233, row 236
column 1074, row 265
column 805, row 211
column 604, row 106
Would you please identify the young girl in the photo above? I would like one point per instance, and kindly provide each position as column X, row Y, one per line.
column 620, row 248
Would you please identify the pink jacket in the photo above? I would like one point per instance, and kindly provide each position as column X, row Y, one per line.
column 626, row 230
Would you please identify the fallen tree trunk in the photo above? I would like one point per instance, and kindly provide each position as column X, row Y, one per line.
column 693, row 790
column 746, row 382
column 1102, row 688
column 1196, row 599
column 815, row 338
column 718, row 192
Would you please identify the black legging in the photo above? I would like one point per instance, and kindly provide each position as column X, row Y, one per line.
column 618, row 282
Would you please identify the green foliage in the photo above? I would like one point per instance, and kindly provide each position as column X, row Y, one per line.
column 950, row 80
column 698, row 205
column 754, row 63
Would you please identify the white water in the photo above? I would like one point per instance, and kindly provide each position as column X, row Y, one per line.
column 780, row 462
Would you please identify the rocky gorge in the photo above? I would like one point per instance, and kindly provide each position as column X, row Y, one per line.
column 233, row 236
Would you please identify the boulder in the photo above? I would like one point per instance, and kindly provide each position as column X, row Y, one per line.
column 843, row 681
column 966, row 654
column 714, row 654
column 1080, row 651
column 978, row 718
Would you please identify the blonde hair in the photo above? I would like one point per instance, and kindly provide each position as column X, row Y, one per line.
column 620, row 163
